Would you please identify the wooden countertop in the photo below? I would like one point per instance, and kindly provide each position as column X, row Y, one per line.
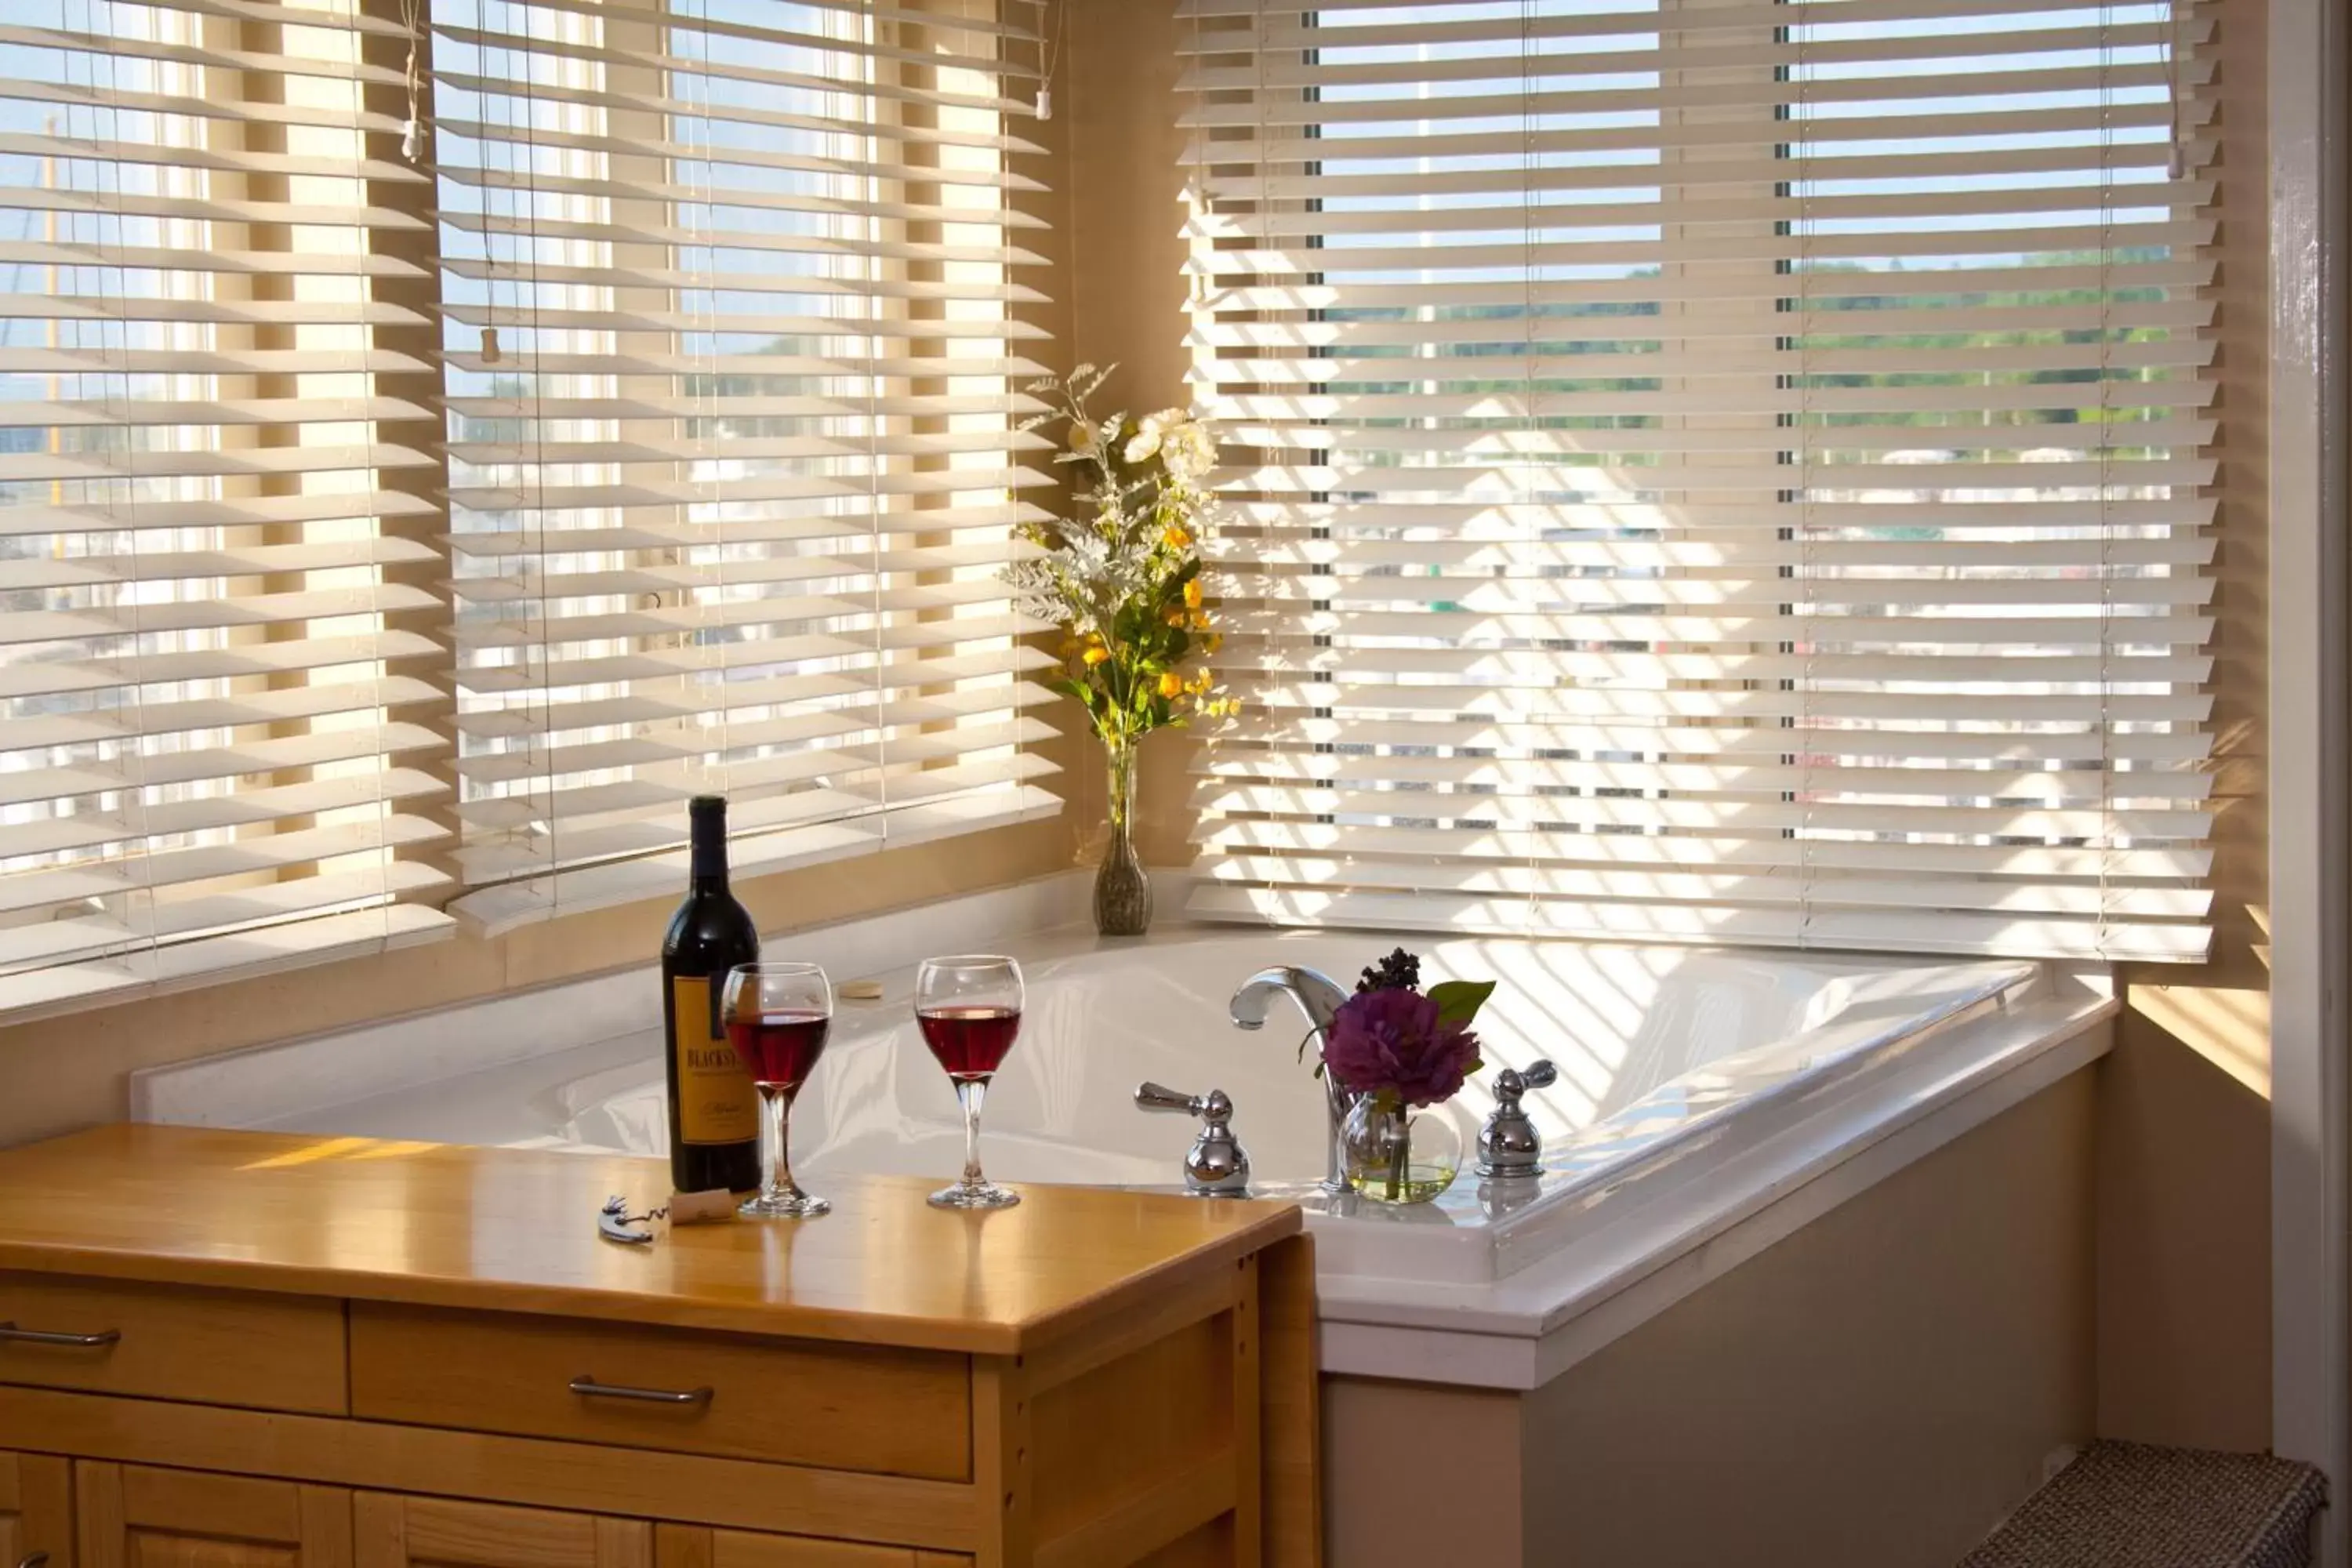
column 514, row 1230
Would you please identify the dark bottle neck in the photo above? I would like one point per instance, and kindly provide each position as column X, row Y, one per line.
column 707, row 869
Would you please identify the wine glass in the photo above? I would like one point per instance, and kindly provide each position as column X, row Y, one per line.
column 777, row 1016
column 969, row 1008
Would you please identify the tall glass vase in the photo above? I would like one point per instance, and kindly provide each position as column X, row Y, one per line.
column 1122, row 887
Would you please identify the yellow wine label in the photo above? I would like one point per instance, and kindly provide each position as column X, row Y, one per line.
column 715, row 1101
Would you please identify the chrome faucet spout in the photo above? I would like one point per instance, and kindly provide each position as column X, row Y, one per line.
column 1319, row 998
column 1318, row 995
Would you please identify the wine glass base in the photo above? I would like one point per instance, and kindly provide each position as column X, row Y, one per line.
column 783, row 1206
column 975, row 1195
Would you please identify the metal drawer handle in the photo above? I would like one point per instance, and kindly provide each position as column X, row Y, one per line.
column 10, row 1332
column 35, row 1560
column 590, row 1388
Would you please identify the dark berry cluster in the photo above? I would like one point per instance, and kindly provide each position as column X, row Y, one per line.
column 1400, row 971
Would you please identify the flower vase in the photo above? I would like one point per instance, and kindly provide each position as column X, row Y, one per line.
column 1122, row 887
column 1394, row 1156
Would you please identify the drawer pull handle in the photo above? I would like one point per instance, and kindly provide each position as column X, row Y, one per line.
column 588, row 1387
column 35, row 1560
column 11, row 1333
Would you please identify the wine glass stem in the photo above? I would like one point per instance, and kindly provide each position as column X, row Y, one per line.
column 775, row 1157
column 970, row 1093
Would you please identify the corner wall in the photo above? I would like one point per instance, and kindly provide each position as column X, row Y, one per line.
column 1125, row 181
column 2184, row 1101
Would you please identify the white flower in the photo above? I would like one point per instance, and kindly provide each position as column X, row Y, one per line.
column 1188, row 450
column 1151, row 431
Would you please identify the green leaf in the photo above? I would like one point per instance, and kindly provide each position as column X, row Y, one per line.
column 1458, row 1001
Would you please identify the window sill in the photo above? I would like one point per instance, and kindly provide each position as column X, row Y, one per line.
column 102, row 983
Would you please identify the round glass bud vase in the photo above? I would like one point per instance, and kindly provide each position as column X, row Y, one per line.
column 1396, row 1155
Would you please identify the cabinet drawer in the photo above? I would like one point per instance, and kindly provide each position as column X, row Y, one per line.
column 798, row 1402
column 210, row 1347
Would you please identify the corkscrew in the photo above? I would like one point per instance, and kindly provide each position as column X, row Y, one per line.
column 614, row 1221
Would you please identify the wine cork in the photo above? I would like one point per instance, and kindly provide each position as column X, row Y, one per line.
column 859, row 991
column 701, row 1209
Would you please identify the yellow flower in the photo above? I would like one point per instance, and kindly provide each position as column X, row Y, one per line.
column 1192, row 593
column 1175, row 537
column 1097, row 654
column 1200, row 621
column 1215, row 643
column 1175, row 617
column 1171, row 684
column 1207, row 679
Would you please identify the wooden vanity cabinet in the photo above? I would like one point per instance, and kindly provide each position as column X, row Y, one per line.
column 395, row 1531
column 333, row 1354
column 146, row 1516
column 691, row 1546
column 35, row 1510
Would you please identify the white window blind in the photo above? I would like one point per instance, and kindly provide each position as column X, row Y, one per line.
column 213, row 550
column 733, row 326
column 1724, row 471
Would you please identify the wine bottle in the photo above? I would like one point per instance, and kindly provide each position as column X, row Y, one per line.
column 714, row 1112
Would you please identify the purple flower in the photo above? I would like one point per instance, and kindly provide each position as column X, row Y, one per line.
column 1393, row 1042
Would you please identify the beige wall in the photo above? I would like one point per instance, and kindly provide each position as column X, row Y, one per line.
column 1125, row 179
column 1876, row 1390
column 2184, row 1128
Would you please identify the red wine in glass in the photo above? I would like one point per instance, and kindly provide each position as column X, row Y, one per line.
column 969, row 1009
column 779, row 1048
column 969, row 1042
column 776, row 1015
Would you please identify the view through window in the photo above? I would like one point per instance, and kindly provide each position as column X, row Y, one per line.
column 1712, row 470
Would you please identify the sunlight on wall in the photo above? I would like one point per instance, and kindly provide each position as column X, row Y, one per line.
column 2230, row 1028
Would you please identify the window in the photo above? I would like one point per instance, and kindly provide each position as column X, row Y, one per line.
column 215, row 529
column 731, row 305
column 586, row 402
column 1715, row 471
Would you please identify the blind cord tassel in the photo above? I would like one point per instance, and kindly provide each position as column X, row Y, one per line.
column 411, row 129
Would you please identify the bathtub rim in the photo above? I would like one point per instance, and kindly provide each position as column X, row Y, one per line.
column 1530, row 1327
column 1518, row 1331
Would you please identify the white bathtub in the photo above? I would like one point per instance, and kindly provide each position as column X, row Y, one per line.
column 1694, row 1086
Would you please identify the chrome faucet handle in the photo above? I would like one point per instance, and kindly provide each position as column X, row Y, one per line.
column 1156, row 1097
column 1508, row 1145
column 1217, row 1165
